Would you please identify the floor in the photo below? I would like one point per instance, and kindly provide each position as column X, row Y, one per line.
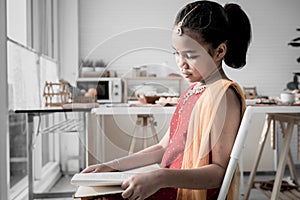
column 256, row 194
column 64, row 184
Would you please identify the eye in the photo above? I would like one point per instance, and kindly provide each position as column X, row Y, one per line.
column 191, row 57
column 176, row 53
column 188, row 56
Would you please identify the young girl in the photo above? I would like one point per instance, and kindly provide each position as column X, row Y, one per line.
column 195, row 151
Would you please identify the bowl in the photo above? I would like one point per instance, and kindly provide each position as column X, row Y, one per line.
column 287, row 98
column 147, row 99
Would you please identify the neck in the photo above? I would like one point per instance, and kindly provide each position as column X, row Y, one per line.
column 217, row 74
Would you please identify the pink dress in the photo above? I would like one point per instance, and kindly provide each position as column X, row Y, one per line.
column 174, row 153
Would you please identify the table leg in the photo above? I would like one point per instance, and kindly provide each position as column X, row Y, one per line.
column 81, row 138
column 289, row 157
column 154, row 133
column 145, row 134
column 273, row 138
column 258, row 155
column 138, row 123
column 282, row 160
column 30, row 132
column 292, row 169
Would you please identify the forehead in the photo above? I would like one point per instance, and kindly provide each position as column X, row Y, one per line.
column 185, row 42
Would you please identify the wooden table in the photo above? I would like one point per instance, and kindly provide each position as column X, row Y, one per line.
column 270, row 110
column 287, row 122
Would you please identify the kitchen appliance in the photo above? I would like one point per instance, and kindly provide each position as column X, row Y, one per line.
column 109, row 90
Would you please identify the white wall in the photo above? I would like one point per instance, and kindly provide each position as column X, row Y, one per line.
column 108, row 28
column 68, row 39
column 127, row 34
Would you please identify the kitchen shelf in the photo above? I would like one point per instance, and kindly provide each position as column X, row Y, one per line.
column 69, row 125
column 161, row 84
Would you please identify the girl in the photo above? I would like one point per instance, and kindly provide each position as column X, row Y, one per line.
column 195, row 151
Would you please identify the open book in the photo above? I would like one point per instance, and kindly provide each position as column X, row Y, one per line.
column 97, row 184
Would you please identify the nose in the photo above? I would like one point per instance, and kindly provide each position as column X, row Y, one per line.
column 181, row 62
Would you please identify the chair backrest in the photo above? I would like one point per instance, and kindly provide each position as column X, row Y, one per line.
column 236, row 154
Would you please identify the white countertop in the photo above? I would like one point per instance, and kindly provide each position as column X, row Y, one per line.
column 125, row 109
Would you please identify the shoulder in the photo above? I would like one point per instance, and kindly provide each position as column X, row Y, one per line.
column 234, row 93
column 233, row 101
column 232, row 97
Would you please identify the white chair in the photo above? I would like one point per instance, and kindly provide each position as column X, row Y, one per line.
column 235, row 156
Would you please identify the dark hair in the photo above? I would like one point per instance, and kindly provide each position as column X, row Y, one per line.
column 213, row 24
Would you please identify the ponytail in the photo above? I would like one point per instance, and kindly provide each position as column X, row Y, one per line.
column 239, row 36
column 209, row 22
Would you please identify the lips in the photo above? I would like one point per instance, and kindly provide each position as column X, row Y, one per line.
column 186, row 74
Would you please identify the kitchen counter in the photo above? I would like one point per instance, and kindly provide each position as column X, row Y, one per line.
column 111, row 128
column 125, row 109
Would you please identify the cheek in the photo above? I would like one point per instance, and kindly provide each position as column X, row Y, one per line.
column 198, row 75
column 196, row 65
column 200, row 69
column 177, row 60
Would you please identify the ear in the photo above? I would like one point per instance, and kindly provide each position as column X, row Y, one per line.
column 220, row 51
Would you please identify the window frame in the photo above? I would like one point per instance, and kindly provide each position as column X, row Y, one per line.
column 43, row 38
column 4, row 146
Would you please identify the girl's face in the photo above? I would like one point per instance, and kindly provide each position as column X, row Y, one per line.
column 192, row 58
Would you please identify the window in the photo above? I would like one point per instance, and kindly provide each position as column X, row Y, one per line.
column 32, row 32
column 18, row 153
column 17, row 20
column 33, row 23
column 44, row 27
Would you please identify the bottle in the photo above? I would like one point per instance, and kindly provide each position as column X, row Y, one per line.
column 136, row 71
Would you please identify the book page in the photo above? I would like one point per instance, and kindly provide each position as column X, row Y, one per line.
column 84, row 191
column 108, row 178
column 100, row 179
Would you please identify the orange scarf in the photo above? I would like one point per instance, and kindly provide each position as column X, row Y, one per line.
column 198, row 144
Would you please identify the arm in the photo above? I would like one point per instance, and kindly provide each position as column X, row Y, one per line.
column 206, row 177
column 147, row 156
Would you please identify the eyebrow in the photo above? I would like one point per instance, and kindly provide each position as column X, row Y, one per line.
column 186, row 51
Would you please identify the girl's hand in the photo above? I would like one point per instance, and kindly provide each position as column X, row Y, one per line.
column 98, row 168
column 141, row 186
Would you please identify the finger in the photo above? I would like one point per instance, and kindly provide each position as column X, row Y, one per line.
column 125, row 185
column 90, row 169
column 128, row 193
column 87, row 170
column 134, row 197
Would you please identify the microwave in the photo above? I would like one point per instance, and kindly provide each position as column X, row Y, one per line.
column 109, row 90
